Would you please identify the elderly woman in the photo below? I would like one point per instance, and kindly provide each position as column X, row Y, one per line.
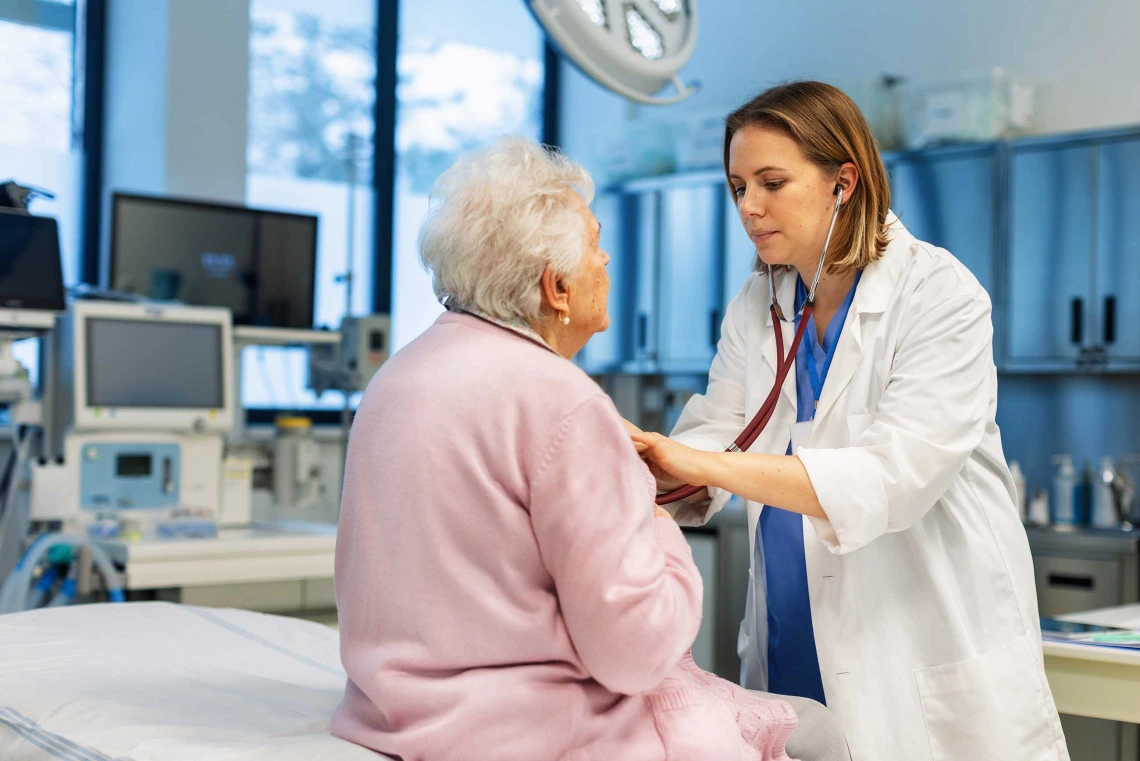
column 506, row 587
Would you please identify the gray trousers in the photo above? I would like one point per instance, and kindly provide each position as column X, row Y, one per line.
column 817, row 736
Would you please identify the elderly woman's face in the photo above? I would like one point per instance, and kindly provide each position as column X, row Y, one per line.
column 590, row 288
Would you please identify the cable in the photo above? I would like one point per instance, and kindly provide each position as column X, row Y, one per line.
column 37, row 593
column 67, row 590
column 8, row 470
column 14, row 592
column 11, row 533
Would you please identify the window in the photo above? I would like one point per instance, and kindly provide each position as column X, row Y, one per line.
column 312, row 91
column 41, row 120
column 468, row 72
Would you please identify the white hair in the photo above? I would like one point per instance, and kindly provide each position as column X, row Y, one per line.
column 498, row 218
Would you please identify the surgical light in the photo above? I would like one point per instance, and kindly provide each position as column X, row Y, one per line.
column 633, row 47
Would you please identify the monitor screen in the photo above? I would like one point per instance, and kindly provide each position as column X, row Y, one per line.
column 258, row 264
column 31, row 275
column 136, row 363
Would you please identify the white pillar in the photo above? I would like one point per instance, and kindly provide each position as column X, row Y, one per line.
column 177, row 94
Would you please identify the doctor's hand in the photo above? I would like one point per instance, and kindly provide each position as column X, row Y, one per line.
column 633, row 431
column 675, row 464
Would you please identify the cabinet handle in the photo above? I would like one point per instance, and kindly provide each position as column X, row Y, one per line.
column 714, row 327
column 1073, row 582
column 1109, row 319
column 1077, row 320
column 642, row 329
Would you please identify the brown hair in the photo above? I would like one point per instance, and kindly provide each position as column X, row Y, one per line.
column 830, row 131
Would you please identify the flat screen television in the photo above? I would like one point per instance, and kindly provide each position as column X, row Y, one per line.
column 257, row 263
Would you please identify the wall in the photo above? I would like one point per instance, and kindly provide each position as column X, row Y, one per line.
column 208, row 95
column 175, row 112
column 1083, row 63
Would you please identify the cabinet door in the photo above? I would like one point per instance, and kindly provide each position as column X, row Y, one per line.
column 1050, row 262
column 1069, row 585
column 645, row 208
column 1118, row 251
column 607, row 350
column 739, row 252
column 949, row 201
column 691, row 266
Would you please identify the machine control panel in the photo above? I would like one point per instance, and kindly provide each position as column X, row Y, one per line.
column 129, row 475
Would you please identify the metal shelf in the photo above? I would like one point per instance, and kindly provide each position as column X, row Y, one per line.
column 245, row 335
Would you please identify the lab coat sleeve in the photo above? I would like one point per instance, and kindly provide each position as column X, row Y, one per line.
column 931, row 416
column 712, row 420
column 627, row 586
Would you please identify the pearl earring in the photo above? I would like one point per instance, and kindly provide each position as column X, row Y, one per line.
column 565, row 319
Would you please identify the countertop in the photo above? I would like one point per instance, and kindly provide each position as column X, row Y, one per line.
column 1115, row 541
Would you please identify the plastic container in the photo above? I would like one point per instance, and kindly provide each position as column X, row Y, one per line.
column 1082, row 500
column 1065, row 492
column 296, row 462
column 1019, row 488
column 1127, row 480
column 968, row 110
column 638, row 149
column 1039, row 509
column 698, row 142
column 1104, row 512
column 878, row 99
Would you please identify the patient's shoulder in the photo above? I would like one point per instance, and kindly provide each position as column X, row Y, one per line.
column 562, row 389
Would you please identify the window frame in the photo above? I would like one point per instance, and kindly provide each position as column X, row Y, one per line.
column 94, row 16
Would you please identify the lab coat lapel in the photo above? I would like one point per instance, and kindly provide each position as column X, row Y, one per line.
column 848, row 355
column 871, row 299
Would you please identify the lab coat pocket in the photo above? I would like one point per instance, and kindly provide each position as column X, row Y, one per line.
column 991, row 708
column 856, row 424
column 695, row 726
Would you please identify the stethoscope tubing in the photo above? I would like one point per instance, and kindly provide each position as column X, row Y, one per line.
column 784, row 364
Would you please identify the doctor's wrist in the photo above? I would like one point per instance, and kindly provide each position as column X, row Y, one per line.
column 715, row 467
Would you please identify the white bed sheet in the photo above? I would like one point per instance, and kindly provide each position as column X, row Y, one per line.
column 165, row 682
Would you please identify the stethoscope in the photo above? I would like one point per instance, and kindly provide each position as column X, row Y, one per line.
column 784, row 364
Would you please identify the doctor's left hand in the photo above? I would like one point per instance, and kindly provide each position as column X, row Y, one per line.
column 687, row 465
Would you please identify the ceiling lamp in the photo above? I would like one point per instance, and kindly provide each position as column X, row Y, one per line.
column 633, row 47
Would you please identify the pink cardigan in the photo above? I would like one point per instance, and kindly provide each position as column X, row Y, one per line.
column 503, row 589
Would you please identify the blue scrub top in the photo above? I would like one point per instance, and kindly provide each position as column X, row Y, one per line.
column 793, row 665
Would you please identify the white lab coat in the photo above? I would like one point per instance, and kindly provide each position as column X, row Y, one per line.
column 921, row 582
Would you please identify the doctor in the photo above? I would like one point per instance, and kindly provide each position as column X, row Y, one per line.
column 891, row 577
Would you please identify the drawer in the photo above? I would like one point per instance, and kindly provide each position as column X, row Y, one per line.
column 1071, row 585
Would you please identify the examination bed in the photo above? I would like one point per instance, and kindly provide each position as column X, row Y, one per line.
column 163, row 682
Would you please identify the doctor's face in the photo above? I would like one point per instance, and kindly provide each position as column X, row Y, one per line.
column 785, row 201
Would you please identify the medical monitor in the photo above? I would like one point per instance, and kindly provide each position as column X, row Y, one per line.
column 259, row 264
column 31, row 274
column 143, row 367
